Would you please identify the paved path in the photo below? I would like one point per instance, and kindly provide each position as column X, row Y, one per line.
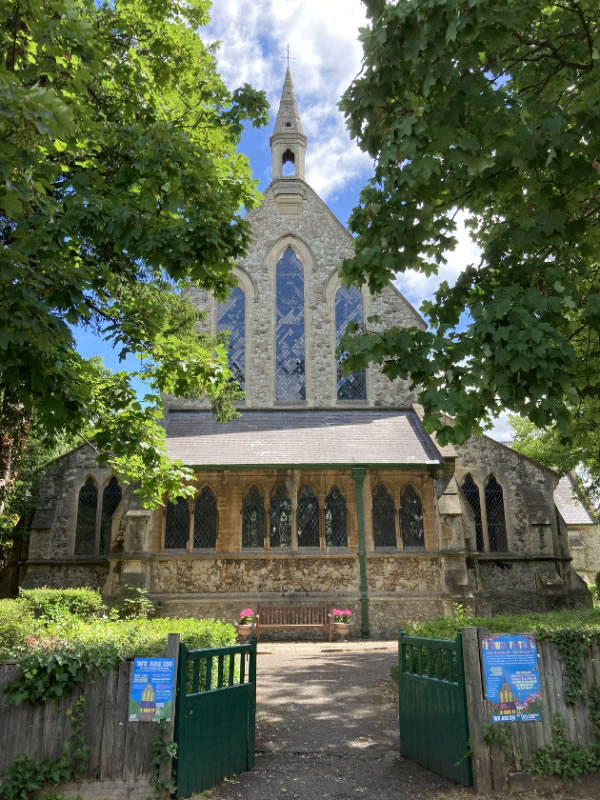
column 326, row 730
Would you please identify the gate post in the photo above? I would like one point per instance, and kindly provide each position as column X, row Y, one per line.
column 482, row 768
column 252, row 709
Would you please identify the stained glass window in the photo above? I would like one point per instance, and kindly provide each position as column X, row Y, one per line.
column 280, row 517
column 205, row 519
column 231, row 316
column 308, row 518
column 253, row 519
column 471, row 493
column 85, row 529
column 177, row 526
column 494, row 511
column 411, row 519
column 290, row 369
column 348, row 307
column 336, row 534
column 384, row 518
column 111, row 497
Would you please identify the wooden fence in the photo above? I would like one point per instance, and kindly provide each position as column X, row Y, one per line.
column 495, row 768
column 118, row 750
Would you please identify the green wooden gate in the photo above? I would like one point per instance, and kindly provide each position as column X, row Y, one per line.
column 215, row 717
column 434, row 727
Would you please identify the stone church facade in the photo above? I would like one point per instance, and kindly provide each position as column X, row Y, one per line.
column 326, row 489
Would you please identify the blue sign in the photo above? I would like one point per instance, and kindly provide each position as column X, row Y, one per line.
column 512, row 677
column 151, row 690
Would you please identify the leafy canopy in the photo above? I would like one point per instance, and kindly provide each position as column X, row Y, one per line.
column 120, row 185
column 492, row 108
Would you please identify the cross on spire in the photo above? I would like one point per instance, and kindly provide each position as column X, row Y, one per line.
column 287, row 57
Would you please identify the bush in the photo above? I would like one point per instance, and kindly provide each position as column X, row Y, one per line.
column 596, row 588
column 16, row 624
column 52, row 604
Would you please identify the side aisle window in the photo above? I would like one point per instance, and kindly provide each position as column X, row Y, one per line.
column 94, row 524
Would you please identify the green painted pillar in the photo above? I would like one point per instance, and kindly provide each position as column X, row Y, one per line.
column 358, row 473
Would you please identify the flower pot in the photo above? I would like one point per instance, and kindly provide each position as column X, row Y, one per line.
column 341, row 630
column 245, row 631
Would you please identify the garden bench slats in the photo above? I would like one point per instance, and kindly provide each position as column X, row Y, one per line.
column 291, row 617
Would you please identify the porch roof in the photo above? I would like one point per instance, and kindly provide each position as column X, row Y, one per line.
column 300, row 438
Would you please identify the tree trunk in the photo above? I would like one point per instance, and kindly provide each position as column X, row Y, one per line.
column 14, row 423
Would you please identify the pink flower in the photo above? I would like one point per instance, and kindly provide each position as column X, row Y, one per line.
column 246, row 615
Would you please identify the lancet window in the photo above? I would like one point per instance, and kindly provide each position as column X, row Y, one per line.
column 205, row 520
column 336, row 525
column 289, row 330
column 231, row 316
column 280, row 518
column 494, row 511
column 177, row 524
column 384, row 518
column 411, row 519
column 94, row 524
column 348, row 308
column 308, row 518
column 253, row 519
column 471, row 493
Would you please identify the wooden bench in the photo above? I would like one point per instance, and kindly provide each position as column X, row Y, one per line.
column 292, row 617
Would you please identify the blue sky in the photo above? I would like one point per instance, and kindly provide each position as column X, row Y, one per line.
column 325, row 57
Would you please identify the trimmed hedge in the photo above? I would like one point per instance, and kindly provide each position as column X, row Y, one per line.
column 50, row 604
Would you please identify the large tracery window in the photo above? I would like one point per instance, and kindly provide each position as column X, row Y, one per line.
column 494, row 512
column 289, row 332
column 348, row 308
column 253, row 519
column 411, row 519
column 205, row 519
column 384, row 518
column 231, row 316
column 308, row 518
column 177, row 524
column 93, row 529
column 280, row 517
column 336, row 530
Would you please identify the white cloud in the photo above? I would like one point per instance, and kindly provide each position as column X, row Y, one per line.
column 501, row 432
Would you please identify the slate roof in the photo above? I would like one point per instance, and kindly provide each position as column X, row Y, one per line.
column 569, row 505
column 279, row 438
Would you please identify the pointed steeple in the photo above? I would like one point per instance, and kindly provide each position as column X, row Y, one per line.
column 288, row 142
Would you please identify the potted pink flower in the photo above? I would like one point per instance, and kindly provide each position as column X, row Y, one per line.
column 341, row 622
column 245, row 626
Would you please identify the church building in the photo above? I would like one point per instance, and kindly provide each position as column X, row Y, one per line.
column 327, row 488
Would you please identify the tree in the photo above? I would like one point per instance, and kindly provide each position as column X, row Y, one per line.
column 121, row 184
column 492, row 109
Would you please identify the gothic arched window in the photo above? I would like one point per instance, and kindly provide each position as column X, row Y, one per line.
column 253, row 519
column 231, row 316
column 348, row 308
column 308, row 519
column 111, row 497
column 177, row 524
column 205, row 519
column 280, row 518
column 85, row 529
column 471, row 493
column 411, row 519
column 336, row 533
column 289, row 329
column 384, row 518
column 494, row 512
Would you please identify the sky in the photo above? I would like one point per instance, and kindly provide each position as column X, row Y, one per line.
column 325, row 56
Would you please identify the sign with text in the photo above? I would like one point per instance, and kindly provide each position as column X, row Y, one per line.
column 151, row 690
column 512, row 677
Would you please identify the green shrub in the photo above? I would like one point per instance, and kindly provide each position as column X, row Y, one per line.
column 52, row 604
column 16, row 624
column 596, row 588
column 136, row 604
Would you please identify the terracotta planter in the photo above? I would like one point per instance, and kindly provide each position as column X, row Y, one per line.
column 245, row 631
column 341, row 630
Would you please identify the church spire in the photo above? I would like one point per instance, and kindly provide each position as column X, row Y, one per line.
column 288, row 142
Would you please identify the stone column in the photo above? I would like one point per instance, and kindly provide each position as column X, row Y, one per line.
column 358, row 473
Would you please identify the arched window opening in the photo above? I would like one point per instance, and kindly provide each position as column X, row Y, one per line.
column 384, row 518
column 177, row 524
column 290, row 367
column 411, row 519
column 231, row 316
column 280, row 515
column 85, row 529
column 111, row 497
column 494, row 511
column 336, row 533
column 253, row 519
column 471, row 493
column 308, row 518
column 205, row 519
column 348, row 308
column 288, row 164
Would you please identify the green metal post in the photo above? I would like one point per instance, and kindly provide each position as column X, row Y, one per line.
column 358, row 473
